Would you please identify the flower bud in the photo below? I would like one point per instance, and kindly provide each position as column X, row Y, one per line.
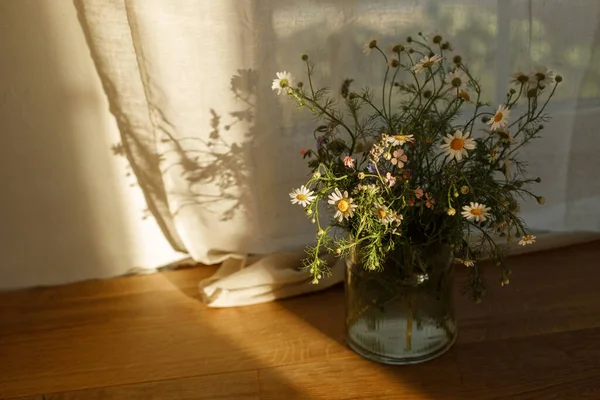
column 397, row 48
column 465, row 189
column 446, row 46
column 512, row 91
column 537, row 180
column 409, row 39
column 320, row 232
column 437, row 39
column 300, row 84
column 457, row 60
column 504, row 281
column 387, row 156
column 309, row 211
column 558, row 78
column 373, row 44
column 427, row 94
column 451, row 211
column 532, row 92
column 410, row 51
column 338, row 251
column 394, row 63
column 361, row 175
column 304, row 57
column 540, row 200
column 316, row 174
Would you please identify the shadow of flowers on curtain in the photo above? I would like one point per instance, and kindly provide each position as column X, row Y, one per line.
column 212, row 171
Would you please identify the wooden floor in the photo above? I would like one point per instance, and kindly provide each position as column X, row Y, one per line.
column 148, row 337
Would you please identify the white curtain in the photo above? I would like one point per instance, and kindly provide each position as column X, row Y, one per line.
column 216, row 151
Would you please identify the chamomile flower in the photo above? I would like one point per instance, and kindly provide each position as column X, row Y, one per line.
column 426, row 62
column 456, row 145
column 519, row 78
column 476, row 211
column 283, row 82
column 527, row 239
column 457, row 79
column 302, row 196
column 369, row 46
column 343, row 204
column 500, row 118
column 400, row 139
column 541, row 76
column 383, row 213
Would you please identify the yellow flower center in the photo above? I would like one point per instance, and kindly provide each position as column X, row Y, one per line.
column 381, row 212
column 427, row 64
column 476, row 211
column 498, row 117
column 457, row 144
column 456, row 82
column 284, row 83
column 401, row 138
column 465, row 96
column 301, row 197
column 343, row 205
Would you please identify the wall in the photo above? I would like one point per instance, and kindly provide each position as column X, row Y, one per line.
column 67, row 211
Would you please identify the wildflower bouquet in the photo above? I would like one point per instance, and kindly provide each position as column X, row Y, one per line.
column 405, row 168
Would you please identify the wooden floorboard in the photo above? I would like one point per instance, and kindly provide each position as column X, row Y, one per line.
column 149, row 337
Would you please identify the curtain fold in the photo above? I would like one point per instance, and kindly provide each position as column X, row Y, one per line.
column 216, row 152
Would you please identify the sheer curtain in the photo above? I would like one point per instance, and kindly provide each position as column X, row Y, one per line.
column 216, row 151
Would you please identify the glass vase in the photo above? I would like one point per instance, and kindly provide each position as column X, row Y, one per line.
column 402, row 313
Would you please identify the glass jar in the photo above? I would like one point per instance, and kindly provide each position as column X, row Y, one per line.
column 404, row 313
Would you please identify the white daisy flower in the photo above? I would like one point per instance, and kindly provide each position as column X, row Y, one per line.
column 457, row 79
column 343, row 204
column 476, row 211
column 542, row 76
column 494, row 154
column 456, row 145
column 399, row 140
column 527, row 239
column 284, row 80
column 396, row 218
column 519, row 78
column 384, row 214
column 302, row 196
column 426, row 62
column 500, row 119
column 369, row 46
